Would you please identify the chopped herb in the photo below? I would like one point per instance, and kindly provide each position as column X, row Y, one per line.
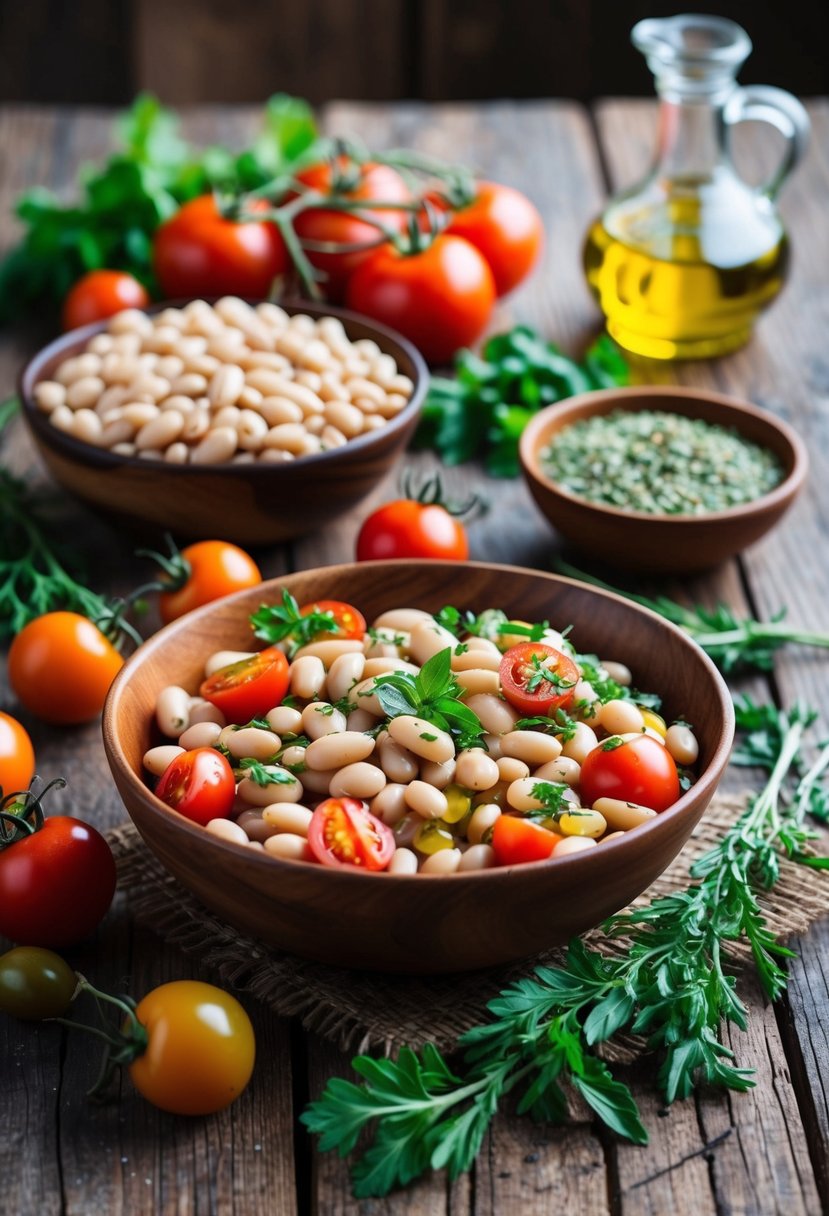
column 560, row 724
column 461, row 648
column 284, row 622
column 533, row 633
column 612, row 743
column 541, row 673
column 264, row 774
column 325, row 710
column 429, row 738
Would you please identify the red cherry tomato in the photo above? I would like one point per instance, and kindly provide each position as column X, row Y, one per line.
column 515, row 841
column 101, row 294
column 440, row 298
column 199, row 784
column 350, row 623
column 55, row 884
column 407, row 528
column 249, row 688
column 369, row 182
column 61, row 667
column 17, row 756
column 343, row 832
column 200, row 253
column 537, row 679
column 216, row 569
column 636, row 770
column 505, row 227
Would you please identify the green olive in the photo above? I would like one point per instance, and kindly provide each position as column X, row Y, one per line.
column 35, row 984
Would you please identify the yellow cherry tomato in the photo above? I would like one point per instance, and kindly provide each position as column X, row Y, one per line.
column 654, row 721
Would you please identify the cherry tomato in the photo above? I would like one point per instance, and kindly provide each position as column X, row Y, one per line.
column 537, row 679
column 505, row 227
column 343, row 832
column 199, row 784
column 200, row 1052
column 101, row 294
column 350, row 622
column 407, row 528
column 637, row 770
column 440, row 298
column 200, row 253
column 17, row 756
column 35, row 984
column 55, row 884
column 61, row 667
column 515, row 841
column 249, row 688
column 374, row 183
column 216, row 569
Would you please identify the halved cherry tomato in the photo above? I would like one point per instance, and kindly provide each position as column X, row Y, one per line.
column 101, row 294
column 505, row 227
column 516, row 840
column 537, row 679
column 17, row 756
column 61, row 667
column 408, row 528
column 635, row 770
column 199, row 784
column 249, row 688
column 217, row 568
column 343, row 832
column 350, row 623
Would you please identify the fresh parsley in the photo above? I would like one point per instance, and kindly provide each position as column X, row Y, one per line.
column 559, row 723
column 284, row 622
column 264, row 774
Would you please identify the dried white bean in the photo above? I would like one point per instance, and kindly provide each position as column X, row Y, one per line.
column 157, row 759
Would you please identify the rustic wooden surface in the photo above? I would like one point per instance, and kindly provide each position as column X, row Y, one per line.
column 762, row 1152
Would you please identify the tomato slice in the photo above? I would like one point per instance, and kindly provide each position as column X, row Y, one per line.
column 517, row 840
column 537, row 679
column 249, row 688
column 199, row 784
column 343, row 832
column 636, row 770
column 350, row 623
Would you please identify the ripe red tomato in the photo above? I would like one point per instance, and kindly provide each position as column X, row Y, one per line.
column 17, row 756
column 199, row 784
column 537, row 679
column 61, row 667
column 407, row 528
column 200, row 253
column 101, row 294
column 505, row 227
column 374, row 183
column 515, row 841
column 636, row 770
column 55, row 884
column 216, row 569
column 249, row 688
column 343, row 832
column 350, row 622
column 441, row 298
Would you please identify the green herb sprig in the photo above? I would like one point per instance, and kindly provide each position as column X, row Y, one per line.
column 431, row 694
column 284, row 622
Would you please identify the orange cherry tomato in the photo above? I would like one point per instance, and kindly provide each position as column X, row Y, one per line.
column 349, row 622
column 61, row 667
column 17, row 756
column 343, row 832
column 249, row 688
column 216, row 569
column 101, row 294
column 505, row 227
column 515, row 841
column 537, row 679
column 200, row 1052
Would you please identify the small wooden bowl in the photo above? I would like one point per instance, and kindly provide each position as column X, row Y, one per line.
column 663, row 543
column 390, row 922
column 251, row 504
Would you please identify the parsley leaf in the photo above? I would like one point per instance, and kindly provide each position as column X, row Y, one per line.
column 278, row 622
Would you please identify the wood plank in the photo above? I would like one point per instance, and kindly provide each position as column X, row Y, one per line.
column 54, row 52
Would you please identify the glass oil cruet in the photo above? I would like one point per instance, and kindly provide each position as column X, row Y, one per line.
column 683, row 263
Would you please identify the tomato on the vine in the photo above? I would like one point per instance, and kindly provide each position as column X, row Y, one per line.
column 249, row 688
column 537, row 679
column 216, row 569
column 349, row 622
column 408, row 528
column 506, row 228
column 35, row 984
column 61, row 667
column 516, row 841
column 639, row 770
column 17, row 756
column 199, row 784
column 343, row 832
column 198, row 252
column 101, row 294
column 440, row 297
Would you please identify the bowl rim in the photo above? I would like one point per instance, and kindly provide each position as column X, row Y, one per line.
column 530, row 450
column 705, row 785
column 31, row 374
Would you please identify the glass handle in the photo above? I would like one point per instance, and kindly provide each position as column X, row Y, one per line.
column 763, row 103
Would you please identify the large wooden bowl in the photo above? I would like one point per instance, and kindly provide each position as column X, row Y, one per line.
column 250, row 504
column 663, row 543
column 389, row 922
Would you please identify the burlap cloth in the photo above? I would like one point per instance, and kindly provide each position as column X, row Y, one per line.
column 361, row 1010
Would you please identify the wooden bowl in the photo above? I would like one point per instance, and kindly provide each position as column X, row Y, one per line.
column 417, row 923
column 250, row 504
column 663, row 543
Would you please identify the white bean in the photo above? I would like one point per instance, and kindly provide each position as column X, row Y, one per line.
column 403, row 861
column 621, row 717
column 225, row 658
column 321, row 718
column 307, row 677
column 344, row 673
column 288, row 847
column 334, row 751
column 622, row 816
column 217, row 446
column 583, row 741
column 428, row 638
column 531, row 746
column 574, row 844
column 564, row 771
column 402, row 619
column 200, row 734
column 397, row 761
column 481, row 821
column 284, row 720
column 445, row 861
column 477, row 681
column 251, row 741
column 358, row 780
column 422, row 738
column 283, row 787
column 172, row 711
column 157, row 759
column 618, row 672
column 204, row 711
column 476, row 770
column 329, row 650
column 681, row 743
column 390, row 804
column 287, row 817
column 226, row 829
column 478, row 857
column 496, row 716
column 438, row 775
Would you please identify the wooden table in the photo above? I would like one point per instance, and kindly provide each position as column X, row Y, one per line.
column 762, row 1152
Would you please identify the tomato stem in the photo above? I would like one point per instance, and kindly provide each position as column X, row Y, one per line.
column 430, row 492
column 122, row 1045
column 14, row 824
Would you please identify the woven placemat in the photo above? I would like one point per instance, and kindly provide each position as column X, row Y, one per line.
column 363, row 1010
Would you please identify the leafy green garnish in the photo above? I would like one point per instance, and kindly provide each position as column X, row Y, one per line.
column 264, row 774
column 278, row 622
column 560, row 723
column 431, row 694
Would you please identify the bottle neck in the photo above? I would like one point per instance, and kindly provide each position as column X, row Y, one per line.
column 690, row 137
